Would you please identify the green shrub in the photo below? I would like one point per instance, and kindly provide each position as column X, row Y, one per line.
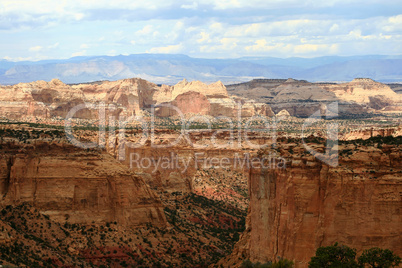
column 377, row 257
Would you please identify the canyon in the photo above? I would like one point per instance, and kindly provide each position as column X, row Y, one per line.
column 69, row 184
column 127, row 97
column 102, row 212
column 309, row 204
column 136, row 96
column 302, row 98
column 160, row 194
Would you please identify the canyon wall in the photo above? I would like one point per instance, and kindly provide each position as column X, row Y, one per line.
column 134, row 96
column 308, row 204
column 171, row 160
column 126, row 97
column 301, row 98
column 371, row 132
column 77, row 186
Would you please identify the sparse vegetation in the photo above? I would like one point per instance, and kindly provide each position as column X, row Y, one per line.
column 344, row 256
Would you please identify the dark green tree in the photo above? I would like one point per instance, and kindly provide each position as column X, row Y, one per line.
column 283, row 263
column 377, row 257
column 246, row 264
column 334, row 256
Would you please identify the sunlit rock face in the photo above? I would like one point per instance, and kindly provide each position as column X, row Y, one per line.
column 295, row 210
column 77, row 186
column 125, row 97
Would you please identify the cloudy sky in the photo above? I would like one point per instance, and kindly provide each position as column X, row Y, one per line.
column 55, row 29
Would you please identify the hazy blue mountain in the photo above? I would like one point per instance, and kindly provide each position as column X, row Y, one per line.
column 171, row 68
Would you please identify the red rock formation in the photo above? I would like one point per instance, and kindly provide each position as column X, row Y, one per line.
column 295, row 210
column 301, row 98
column 186, row 103
column 128, row 97
column 69, row 184
column 132, row 94
column 214, row 90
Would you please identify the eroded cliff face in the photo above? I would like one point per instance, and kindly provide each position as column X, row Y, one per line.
column 40, row 98
column 214, row 90
column 308, row 204
column 371, row 132
column 301, row 98
column 186, row 103
column 125, row 97
column 361, row 89
column 131, row 94
column 77, row 186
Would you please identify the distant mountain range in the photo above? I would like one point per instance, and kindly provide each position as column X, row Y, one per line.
column 171, row 68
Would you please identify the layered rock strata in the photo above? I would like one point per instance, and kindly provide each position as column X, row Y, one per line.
column 77, row 186
column 125, row 97
column 295, row 210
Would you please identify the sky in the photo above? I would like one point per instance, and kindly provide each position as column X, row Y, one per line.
column 60, row 29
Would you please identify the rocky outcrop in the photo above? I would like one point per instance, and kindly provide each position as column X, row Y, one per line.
column 360, row 89
column 77, row 186
column 283, row 113
column 198, row 98
column 131, row 94
column 224, row 107
column 40, row 98
column 125, row 97
column 214, row 90
column 371, row 132
column 302, row 91
column 302, row 99
column 170, row 164
column 295, row 210
column 186, row 103
column 263, row 109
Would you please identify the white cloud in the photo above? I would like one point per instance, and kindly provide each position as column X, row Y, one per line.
column 205, row 38
column 146, row 30
column 112, row 52
column 283, row 49
column 217, row 27
column 225, row 4
column 18, row 58
column 334, row 28
column 228, row 43
column 160, row 27
column 396, row 20
column 393, row 24
column 167, row 49
column 194, row 6
column 55, row 45
column 307, row 49
column 36, row 48
column 79, row 53
column 79, row 16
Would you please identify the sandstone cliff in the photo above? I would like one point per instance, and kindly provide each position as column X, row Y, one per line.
column 40, row 98
column 132, row 94
column 186, row 103
column 198, row 98
column 295, row 210
column 361, row 89
column 77, row 186
column 214, row 90
column 301, row 98
column 127, row 97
